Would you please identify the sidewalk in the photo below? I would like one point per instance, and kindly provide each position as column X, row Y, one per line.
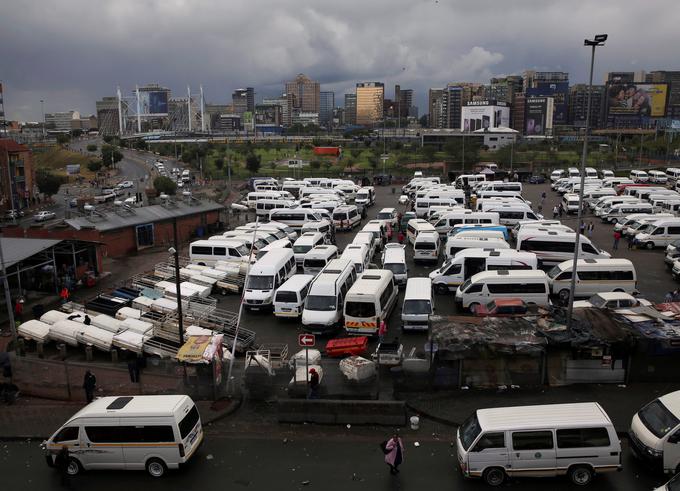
column 621, row 403
column 37, row 419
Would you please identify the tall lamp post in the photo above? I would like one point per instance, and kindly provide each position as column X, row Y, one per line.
column 594, row 43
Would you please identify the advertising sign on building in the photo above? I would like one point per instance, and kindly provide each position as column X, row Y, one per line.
column 477, row 115
column 153, row 103
column 559, row 91
column 629, row 104
column 538, row 119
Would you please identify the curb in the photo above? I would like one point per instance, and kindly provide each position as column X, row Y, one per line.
column 219, row 416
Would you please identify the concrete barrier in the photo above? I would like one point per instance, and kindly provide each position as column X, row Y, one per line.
column 333, row 411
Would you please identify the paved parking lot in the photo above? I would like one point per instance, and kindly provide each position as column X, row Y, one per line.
column 654, row 280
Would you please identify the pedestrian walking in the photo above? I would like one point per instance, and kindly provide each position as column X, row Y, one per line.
column 631, row 241
column 617, row 237
column 19, row 310
column 64, row 294
column 543, row 195
column 560, row 209
column 582, row 227
column 133, row 368
column 591, row 228
column 382, row 330
column 540, row 207
column 394, row 453
column 313, row 384
column 668, row 298
column 556, row 211
column 61, row 461
column 400, row 237
column 89, row 384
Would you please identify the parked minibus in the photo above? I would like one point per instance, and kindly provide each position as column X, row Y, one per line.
column 324, row 306
column 304, row 244
column 290, row 297
column 358, row 254
column 208, row 252
column 418, row 305
column 316, row 258
column 529, row 285
column 553, row 247
column 394, row 259
column 294, row 217
column 577, row 440
column 593, row 276
column 468, row 262
column 265, row 276
column 370, row 300
column 455, row 244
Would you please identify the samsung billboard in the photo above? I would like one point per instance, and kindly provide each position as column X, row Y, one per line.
column 559, row 91
column 538, row 116
column 477, row 115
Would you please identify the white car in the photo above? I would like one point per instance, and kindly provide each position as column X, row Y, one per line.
column 132, row 200
column 613, row 300
column 126, row 184
column 42, row 216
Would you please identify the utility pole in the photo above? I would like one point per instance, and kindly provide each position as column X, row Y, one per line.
column 598, row 41
column 175, row 253
column 42, row 110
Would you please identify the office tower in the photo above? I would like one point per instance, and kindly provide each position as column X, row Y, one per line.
column 350, row 113
column 435, row 108
column 672, row 78
column 326, row 105
column 550, row 84
column 243, row 100
column 107, row 115
column 517, row 113
column 370, row 97
column 304, row 94
column 578, row 105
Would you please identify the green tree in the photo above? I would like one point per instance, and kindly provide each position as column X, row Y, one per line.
column 253, row 162
column 428, row 152
column 94, row 165
column 63, row 138
column 92, row 147
column 219, row 163
column 48, row 182
column 141, row 145
column 165, row 185
column 315, row 164
column 108, row 139
column 110, row 155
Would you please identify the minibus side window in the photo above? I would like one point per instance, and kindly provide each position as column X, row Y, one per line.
column 490, row 440
column 67, row 434
column 532, row 440
column 582, row 438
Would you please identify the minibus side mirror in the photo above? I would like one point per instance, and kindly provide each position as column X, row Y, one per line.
column 674, row 438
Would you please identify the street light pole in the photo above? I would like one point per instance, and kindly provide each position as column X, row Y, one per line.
column 598, row 41
column 42, row 110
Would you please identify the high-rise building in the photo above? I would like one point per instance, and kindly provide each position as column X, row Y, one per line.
column 550, row 84
column 3, row 121
column 370, row 97
column 326, row 105
column 350, row 113
column 504, row 89
column 531, row 78
column 517, row 113
column 62, row 122
column 435, row 105
column 282, row 103
column 304, row 94
column 17, row 177
column 404, row 100
column 107, row 115
column 673, row 96
column 243, row 100
column 452, row 106
column 626, row 77
column 578, row 105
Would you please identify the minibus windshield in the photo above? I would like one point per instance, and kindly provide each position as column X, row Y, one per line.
column 657, row 418
column 469, row 431
column 417, row 307
column 260, row 282
column 320, row 302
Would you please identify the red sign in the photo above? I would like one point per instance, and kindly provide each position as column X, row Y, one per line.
column 306, row 340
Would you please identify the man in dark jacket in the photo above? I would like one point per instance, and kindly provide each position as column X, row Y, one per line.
column 61, row 464
column 89, row 384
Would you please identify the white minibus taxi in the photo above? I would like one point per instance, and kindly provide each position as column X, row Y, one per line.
column 657, row 176
column 357, row 255
column 591, row 172
column 418, row 305
column 316, row 258
column 639, row 176
column 265, row 276
column 389, row 215
column 394, row 259
column 673, row 174
column 370, row 300
column 290, row 297
column 346, row 217
column 263, row 228
column 325, row 303
column 593, row 276
column 660, row 233
column 469, row 262
column 305, row 243
column 455, row 244
column 264, row 206
column 155, row 433
column 573, row 172
column 208, row 252
column 277, row 244
column 450, row 220
column 654, row 433
column 511, row 214
column 426, row 247
column 553, row 247
column 614, row 213
column 369, row 240
column 323, row 226
column 529, row 285
column 415, row 227
column 557, row 174
column 294, row 217
column 577, row 440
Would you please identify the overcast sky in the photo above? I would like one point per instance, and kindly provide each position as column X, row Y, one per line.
column 72, row 52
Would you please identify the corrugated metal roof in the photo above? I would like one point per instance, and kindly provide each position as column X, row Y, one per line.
column 15, row 250
column 146, row 214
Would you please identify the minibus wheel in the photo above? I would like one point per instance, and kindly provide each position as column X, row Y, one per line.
column 73, row 468
column 473, row 307
column 441, row 289
column 650, row 245
column 581, row 475
column 155, row 467
column 494, row 476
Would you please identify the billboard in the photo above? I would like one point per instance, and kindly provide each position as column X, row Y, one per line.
column 538, row 119
column 643, row 100
column 559, row 91
column 477, row 115
column 153, row 103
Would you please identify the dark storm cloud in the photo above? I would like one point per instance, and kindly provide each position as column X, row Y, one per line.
column 71, row 52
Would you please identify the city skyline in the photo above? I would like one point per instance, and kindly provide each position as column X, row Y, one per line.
column 334, row 44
